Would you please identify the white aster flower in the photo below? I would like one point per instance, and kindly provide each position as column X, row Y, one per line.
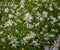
column 50, row 8
column 34, row 43
column 58, row 17
column 15, row 6
column 44, row 0
column 46, row 26
column 59, row 24
column 59, row 8
column 3, row 39
column 52, row 35
column 22, row 3
column 46, row 48
column 53, row 19
column 28, row 17
column 18, row 13
column 35, row 8
column 45, row 14
column 54, row 30
column 6, row 10
column 41, row 18
column 10, row 15
column 41, row 32
column 58, row 42
column 17, row 31
column 14, row 43
column 50, row 5
column 1, row 32
column 37, row 24
column 8, row 23
column 28, row 25
column 24, row 40
column 30, row 36
column 59, row 36
column 55, row 46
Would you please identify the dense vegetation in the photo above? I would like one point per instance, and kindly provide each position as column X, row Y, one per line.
column 29, row 24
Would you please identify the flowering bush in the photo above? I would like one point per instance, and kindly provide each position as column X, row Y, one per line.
column 29, row 25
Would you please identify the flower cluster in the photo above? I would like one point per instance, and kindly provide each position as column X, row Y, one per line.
column 29, row 25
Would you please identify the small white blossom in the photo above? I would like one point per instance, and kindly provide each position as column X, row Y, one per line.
column 14, row 43
column 16, row 31
column 29, row 26
column 58, row 42
column 58, row 17
column 50, row 8
column 46, row 26
column 3, row 39
column 59, row 36
column 28, row 17
column 6, row 10
column 15, row 6
column 45, row 14
column 53, row 19
column 34, row 43
column 24, row 40
column 44, row 0
column 41, row 18
column 59, row 8
column 10, row 15
column 59, row 24
column 52, row 35
column 55, row 46
column 8, row 23
column 41, row 32
column 1, row 32
column 22, row 3
column 35, row 8
column 37, row 24
column 46, row 48
column 18, row 13
column 29, row 36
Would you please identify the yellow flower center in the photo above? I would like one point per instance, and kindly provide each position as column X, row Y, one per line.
column 55, row 45
column 6, row 23
column 22, row 48
column 28, row 36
